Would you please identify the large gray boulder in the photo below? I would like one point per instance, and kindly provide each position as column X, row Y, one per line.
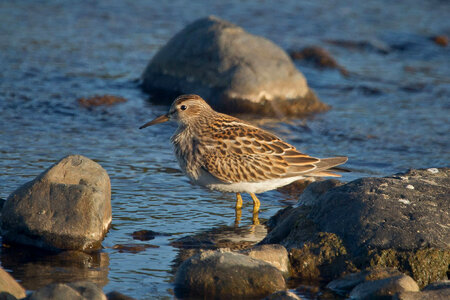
column 404, row 211
column 399, row 221
column 227, row 275
column 232, row 69
column 67, row 207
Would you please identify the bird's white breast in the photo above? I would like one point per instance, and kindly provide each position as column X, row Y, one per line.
column 207, row 180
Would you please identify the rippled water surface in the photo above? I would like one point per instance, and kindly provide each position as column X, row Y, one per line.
column 390, row 114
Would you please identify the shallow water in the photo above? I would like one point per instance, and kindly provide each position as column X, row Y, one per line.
column 389, row 115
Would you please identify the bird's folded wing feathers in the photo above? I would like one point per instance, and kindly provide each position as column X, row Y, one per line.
column 242, row 153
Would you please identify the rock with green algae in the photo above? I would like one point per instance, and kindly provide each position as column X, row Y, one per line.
column 397, row 221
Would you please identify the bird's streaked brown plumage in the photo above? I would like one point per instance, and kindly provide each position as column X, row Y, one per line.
column 225, row 153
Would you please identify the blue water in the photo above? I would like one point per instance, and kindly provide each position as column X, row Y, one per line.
column 390, row 114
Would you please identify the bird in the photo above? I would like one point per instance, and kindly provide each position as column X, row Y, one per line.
column 224, row 153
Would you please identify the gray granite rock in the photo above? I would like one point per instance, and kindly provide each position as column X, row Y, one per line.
column 226, row 275
column 398, row 221
column 405, row 211
column 232, row 69
column 66, row 207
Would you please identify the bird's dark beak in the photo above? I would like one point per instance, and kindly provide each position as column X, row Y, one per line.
column 160, row 119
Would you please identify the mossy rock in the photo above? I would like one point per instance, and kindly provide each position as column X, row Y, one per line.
column 424, row 265
column 324, row 257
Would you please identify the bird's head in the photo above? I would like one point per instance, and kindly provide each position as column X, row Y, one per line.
column 184, row 110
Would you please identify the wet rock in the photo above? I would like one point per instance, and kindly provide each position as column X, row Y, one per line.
column 235, row 71
column 227, row 275
column 441, row 40
column 67, row 207
column 384, row 288
column 323, row 257
column 103, row 100
column 283, row 295
column 319, row 57
column 118, row 296
column 147, row 235
column 397, row 221
column 346, row 283
column 10, row 287
column 437, row 290
column 71, row 291
column 276, row 255
column 133, row 248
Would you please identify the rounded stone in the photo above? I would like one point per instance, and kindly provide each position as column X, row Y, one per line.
column 67, row 207
column 237, row 72
column 227, row 275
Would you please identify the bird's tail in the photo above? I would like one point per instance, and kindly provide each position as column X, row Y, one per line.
column 327, row 166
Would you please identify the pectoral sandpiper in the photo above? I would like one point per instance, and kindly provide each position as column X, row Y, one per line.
column 224, row 153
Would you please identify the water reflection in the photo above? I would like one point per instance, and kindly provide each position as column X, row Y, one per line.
column 232, row 237
column 35, row 268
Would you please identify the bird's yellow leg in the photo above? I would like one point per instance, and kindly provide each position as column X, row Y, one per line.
column 237, row 219
column 256, row 203
column 238, row 209
column 255, row 219
column 238, row 201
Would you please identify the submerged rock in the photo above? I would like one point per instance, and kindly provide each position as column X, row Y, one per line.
column 319, row 57
column 235, row 71
column 103, row 100
column 398, row 221
column 71, row 291
column 10, row 287
column 67, row 207
column 227, row 275
column 114, row 295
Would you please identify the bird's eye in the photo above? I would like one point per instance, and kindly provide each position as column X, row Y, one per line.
column 183, row 107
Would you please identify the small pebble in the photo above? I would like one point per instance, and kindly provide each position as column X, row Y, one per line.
column 433, row 170
column 410, row 187
column 404, row 201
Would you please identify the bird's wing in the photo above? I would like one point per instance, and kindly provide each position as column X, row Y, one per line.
column 234, row 151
